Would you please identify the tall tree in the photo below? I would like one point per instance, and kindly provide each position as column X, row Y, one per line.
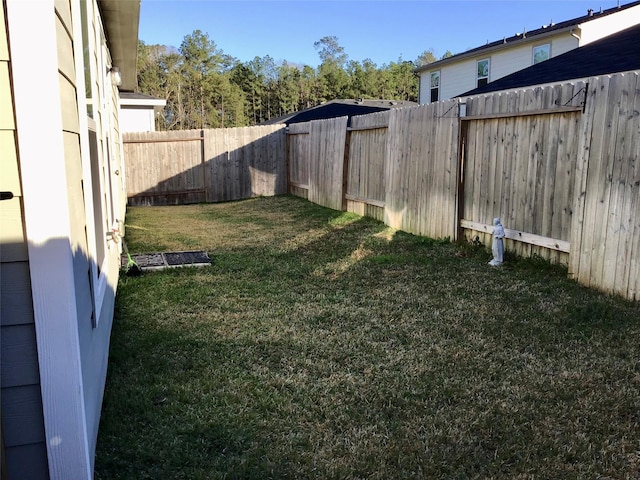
column 426, row 58
column 334, row 80
column 205, row 88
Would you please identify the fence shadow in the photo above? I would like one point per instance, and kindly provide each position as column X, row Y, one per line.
column 176, row 168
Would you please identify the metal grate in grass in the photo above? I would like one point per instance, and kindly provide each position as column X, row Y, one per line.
column 162, row 260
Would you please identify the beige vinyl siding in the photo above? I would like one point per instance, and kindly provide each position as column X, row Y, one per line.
column 458, row 78
column 563, row 44
column 22, row 415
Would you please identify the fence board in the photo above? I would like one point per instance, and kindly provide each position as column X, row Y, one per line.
column 189, row 166
column 367, row 154
column 422, row 169
column 515, row 172
column 298, row 158
column 326, row 161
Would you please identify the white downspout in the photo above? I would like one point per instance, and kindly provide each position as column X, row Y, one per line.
column 575, row 35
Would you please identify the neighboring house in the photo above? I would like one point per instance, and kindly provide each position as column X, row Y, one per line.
column 339, row 108
column 474, row 68
column 138, row 112
column 62, row 209
column 616, row 53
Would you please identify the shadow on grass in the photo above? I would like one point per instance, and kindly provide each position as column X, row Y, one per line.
column 347, row 350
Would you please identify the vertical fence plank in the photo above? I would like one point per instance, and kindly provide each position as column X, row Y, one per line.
column 190, row 166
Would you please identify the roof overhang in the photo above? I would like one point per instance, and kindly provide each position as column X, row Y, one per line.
column 121, row 19
column 482, row 52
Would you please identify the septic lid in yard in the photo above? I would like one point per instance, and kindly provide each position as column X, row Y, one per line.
column 159, row 261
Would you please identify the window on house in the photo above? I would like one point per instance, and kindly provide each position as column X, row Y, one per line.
column 541, row 53
column 435, row 86
column 483, row 72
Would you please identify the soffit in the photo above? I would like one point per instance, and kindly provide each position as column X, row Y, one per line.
column 121, row 19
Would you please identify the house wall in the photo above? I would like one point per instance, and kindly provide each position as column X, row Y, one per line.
column 459, row 77
column 94, row 299
column 22, row 414
column 139, row 119
column 59, row 264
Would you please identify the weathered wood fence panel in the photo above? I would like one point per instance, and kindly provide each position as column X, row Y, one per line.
column 164, row 167
column 560, row 165
column 215, row 165
column 422, row 168
column 298, row 158
column 605, row 233
column 522, row 168
column 326, row 161
column 367, row 149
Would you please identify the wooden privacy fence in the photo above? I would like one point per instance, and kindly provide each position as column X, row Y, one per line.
column 559, row 164
column 215, row 165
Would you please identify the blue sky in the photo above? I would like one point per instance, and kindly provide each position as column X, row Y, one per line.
column 380, row 30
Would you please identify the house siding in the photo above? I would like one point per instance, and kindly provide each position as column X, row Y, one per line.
column 459, row 76
column 21, row 402
column 26, row 373
column 138, row 119
column 94, row 333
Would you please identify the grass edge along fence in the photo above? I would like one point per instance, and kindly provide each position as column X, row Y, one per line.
column 559, row 164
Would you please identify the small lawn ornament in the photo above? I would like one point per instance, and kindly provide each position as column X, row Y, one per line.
column 498, row 245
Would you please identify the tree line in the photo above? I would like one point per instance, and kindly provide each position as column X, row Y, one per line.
column 206, row 88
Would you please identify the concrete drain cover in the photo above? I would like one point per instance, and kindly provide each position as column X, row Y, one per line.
column 159, row 261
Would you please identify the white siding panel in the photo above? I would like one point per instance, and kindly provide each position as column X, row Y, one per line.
column 425, row 87
column 136, row 120
column 22, row 421
column 602, row 27
column 16, row 306
column 19, row 356
column 511, row 60
column 458, row 78
column 563, row 44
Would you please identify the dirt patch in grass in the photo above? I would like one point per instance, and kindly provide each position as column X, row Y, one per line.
column 320, row 344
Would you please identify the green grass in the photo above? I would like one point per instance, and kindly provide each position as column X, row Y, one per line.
column 321, row 344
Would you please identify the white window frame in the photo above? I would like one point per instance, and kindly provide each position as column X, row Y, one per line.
column 488, row 76
column 438, row 75
column 537, row 47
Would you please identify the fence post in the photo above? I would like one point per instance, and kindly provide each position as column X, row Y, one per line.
column 287, row 157
column 345, row 169
column 203, row 164
column 463, row 127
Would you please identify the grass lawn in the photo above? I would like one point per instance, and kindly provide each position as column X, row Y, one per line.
column 321, row 344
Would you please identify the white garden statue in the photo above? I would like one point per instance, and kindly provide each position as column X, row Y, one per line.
column 498, row 245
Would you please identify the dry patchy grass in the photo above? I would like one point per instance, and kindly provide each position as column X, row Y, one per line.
column 321, row 344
